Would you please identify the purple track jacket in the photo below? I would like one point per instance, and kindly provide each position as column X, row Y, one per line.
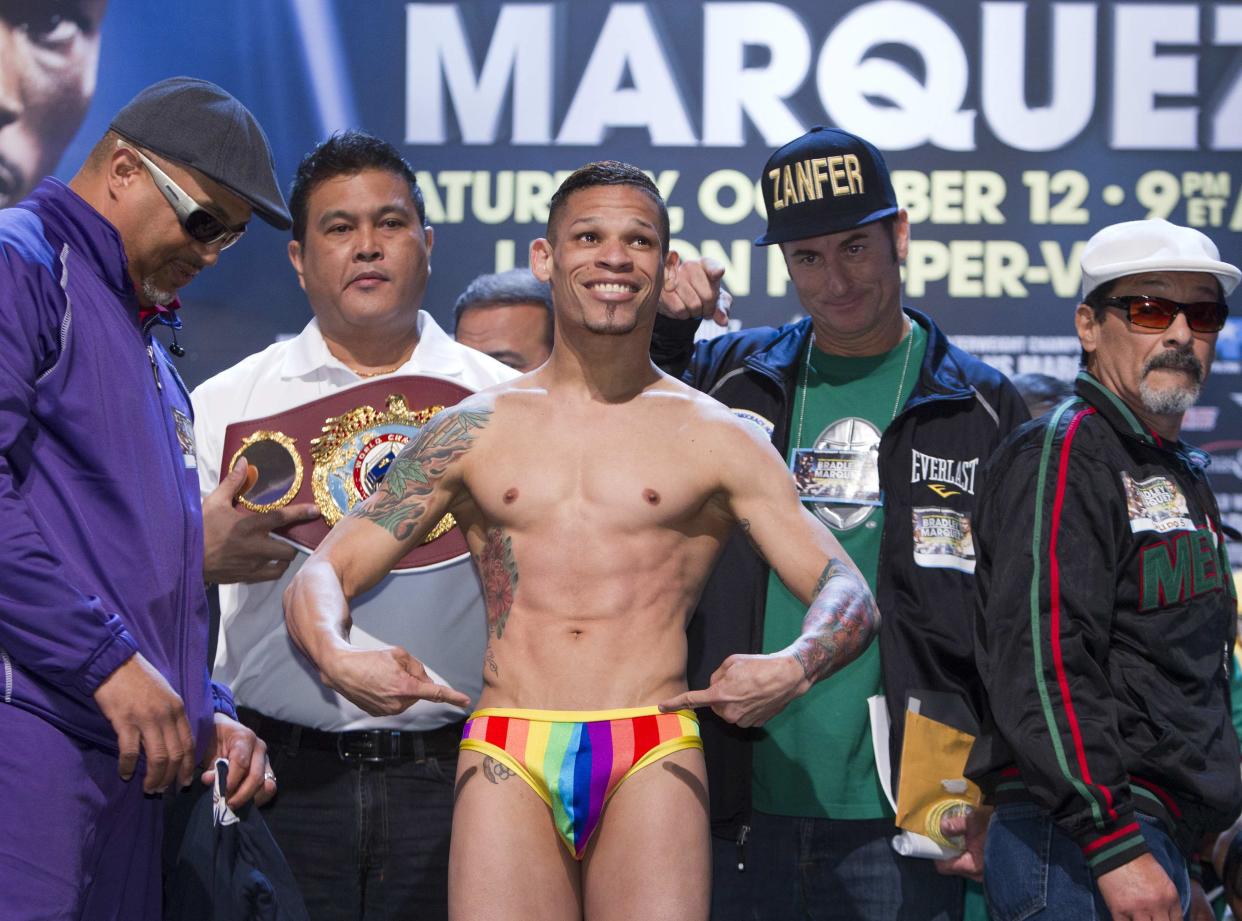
column 101, row 539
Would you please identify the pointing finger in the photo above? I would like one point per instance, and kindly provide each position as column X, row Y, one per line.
column 439, row 693
column 692, row 700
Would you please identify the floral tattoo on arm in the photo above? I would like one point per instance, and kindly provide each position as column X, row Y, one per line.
column 839, row 624
column 499, row 574
column 401, row 501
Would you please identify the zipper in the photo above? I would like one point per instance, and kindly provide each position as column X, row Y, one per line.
column 741, row 847
column 146, row 334
column 155, row 369
column 8, row 676
column 178, row 471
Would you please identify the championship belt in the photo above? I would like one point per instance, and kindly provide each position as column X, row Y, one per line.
column 335, row 452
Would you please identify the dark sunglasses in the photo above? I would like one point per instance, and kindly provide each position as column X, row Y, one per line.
column 1158, row 313
column 197, row 221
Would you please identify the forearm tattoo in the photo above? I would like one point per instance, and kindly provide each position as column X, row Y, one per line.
column 839, row 624
column 401, row 501
column 499, row 574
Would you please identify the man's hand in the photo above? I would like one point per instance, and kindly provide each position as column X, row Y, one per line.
column 974, row 828
column 250, row 775
column 148, row 716
column 237, row 544
column 697, row 293
column 747, row 690
column 1140, row 891
column 386, row 681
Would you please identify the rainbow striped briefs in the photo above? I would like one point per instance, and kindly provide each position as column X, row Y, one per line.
column 576, row 759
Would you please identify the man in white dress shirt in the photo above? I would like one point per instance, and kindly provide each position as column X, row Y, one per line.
column 364, row 805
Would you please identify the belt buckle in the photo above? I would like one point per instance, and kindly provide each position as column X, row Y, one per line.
column 371, row 746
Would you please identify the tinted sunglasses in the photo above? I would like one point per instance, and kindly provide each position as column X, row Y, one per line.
column 1158, row 313
column 197, row 221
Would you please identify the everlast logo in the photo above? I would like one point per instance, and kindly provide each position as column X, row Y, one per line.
column 795, row 183
column 1179, row 569
column 960, row 473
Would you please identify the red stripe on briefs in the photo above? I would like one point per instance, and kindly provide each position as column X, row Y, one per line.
column 1010, row 772
column 646, row 735
column 1098, row 843
column 497, row 731
column 1054, row 572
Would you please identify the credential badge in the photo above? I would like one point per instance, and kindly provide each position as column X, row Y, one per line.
column 1156, row 504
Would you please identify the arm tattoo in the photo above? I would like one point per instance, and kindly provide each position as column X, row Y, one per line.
column 499, row 573
column 401, row 501
column 839, row 624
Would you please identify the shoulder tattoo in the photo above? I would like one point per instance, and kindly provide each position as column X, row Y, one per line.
column 401, row 501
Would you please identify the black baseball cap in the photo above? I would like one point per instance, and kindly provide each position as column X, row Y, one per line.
column 197, row 124
column 824, row 182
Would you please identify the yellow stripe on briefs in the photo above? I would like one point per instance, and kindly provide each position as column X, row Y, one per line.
column 537, row 742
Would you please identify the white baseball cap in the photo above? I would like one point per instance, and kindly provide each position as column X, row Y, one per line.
column 1152, row 246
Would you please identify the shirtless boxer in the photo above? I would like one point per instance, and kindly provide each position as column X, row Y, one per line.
column 595, row 494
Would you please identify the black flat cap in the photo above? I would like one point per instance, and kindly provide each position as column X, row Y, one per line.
column 197, row 124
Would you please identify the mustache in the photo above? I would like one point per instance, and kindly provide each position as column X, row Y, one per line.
column 1176, row 360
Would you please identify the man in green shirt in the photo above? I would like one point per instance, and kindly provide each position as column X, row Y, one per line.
column 883, row 423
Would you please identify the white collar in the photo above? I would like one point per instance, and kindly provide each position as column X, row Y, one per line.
column 436, row 353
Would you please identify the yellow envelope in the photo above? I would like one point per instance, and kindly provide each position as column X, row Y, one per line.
column 931, row 753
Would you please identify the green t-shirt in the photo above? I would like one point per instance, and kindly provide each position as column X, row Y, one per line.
column 815, row 758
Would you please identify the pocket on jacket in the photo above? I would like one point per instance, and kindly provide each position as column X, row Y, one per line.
column 1016, row 861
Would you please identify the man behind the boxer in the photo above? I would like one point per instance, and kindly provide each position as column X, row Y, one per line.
column 595, row 494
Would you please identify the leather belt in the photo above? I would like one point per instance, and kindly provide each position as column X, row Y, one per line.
column 372, row 746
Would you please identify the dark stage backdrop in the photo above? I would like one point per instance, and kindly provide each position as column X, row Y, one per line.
column 1014, row 131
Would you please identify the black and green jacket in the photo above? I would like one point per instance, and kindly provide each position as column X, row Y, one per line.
column 1103, row 630
column 958, row 413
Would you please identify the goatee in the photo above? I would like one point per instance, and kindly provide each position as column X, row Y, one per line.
column 1172, row 400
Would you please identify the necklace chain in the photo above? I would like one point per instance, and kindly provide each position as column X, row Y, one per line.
column 379, row 372
column 805, row 373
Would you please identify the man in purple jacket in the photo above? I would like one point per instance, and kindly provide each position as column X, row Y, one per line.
column 104, row 694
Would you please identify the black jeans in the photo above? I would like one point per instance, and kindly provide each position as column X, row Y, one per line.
column 365, row 840
column 803, row 869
